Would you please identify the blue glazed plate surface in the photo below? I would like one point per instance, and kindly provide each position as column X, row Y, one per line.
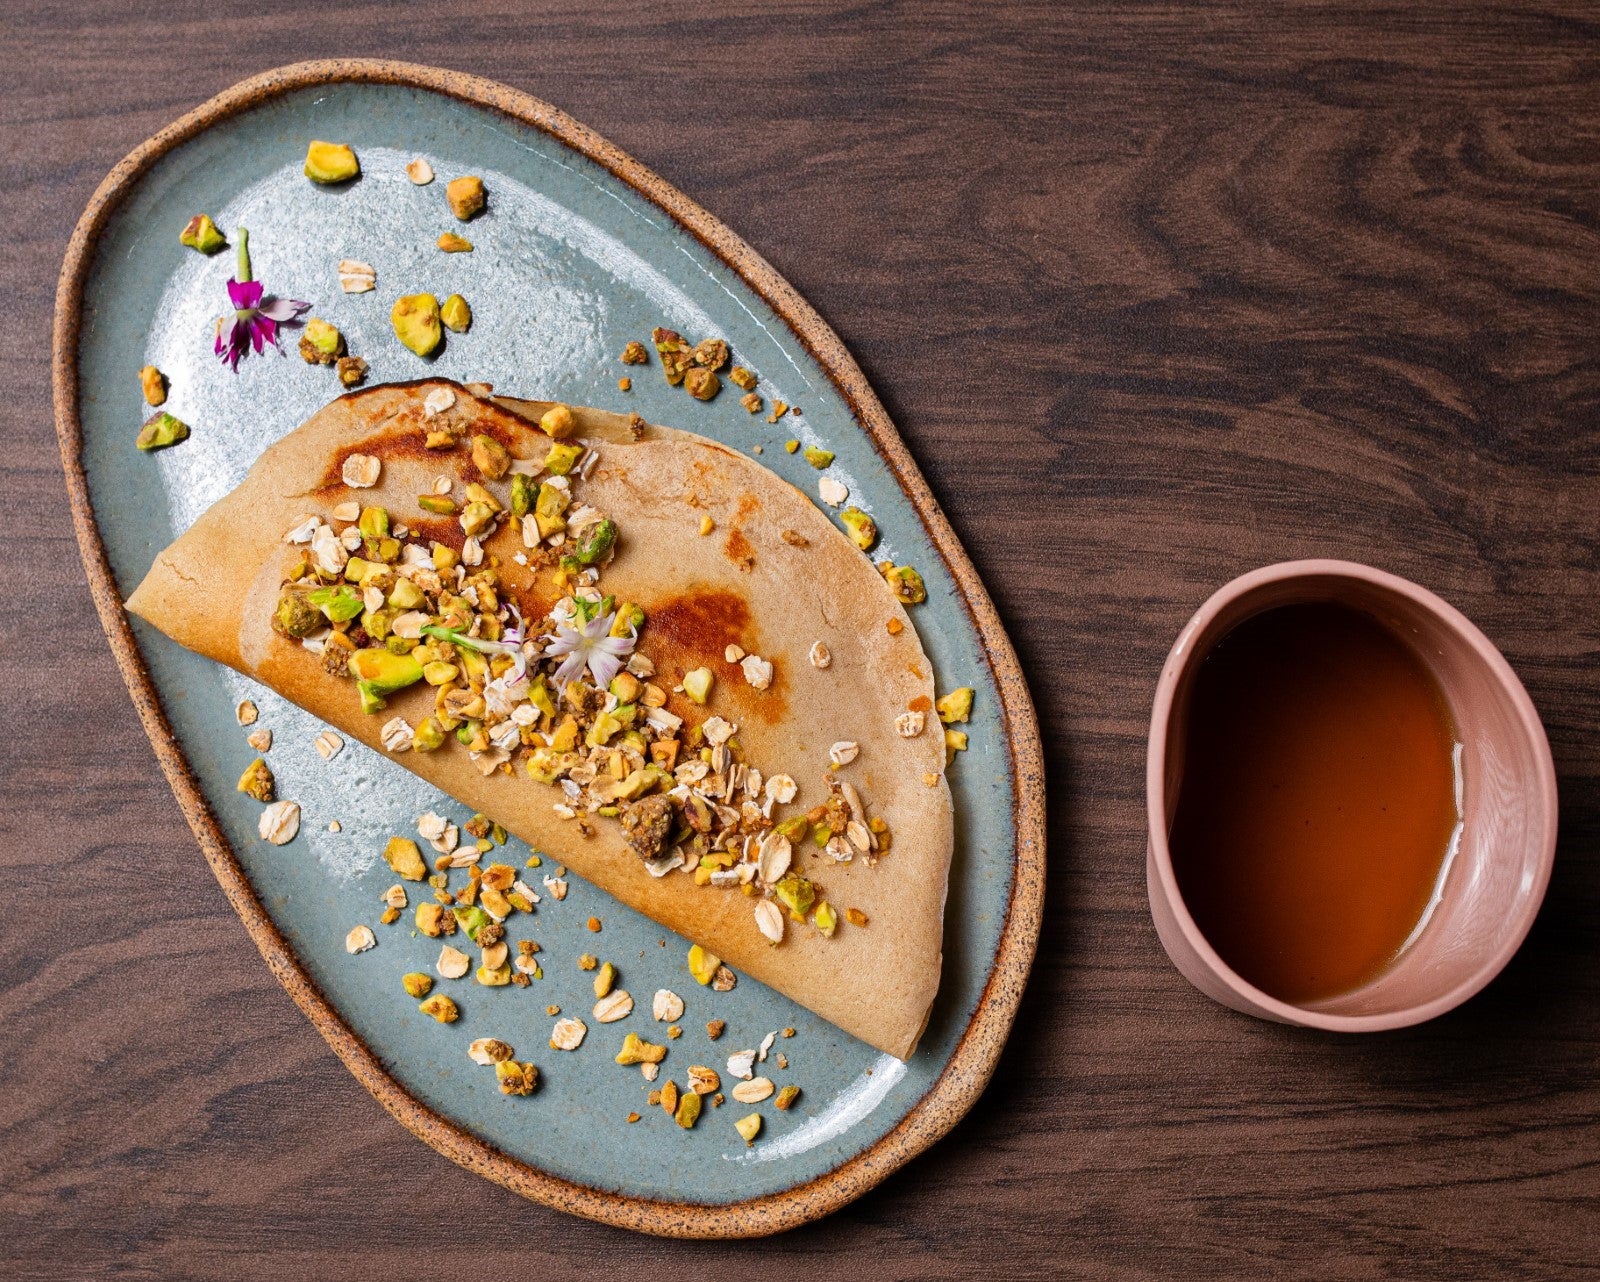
column 570, row 263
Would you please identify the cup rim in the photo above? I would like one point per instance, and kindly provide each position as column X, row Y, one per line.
column 1178, row 660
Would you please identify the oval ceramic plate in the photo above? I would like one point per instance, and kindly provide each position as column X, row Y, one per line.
column 580, row 251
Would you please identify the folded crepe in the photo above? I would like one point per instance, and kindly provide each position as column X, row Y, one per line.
column 726, row 561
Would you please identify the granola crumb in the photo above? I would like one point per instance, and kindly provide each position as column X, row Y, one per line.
column 594, row 924
column 715, row 1028
column 625, row 384
column 788, row 1032
column 632, row 1117
column 792, row 446
column 895, row 627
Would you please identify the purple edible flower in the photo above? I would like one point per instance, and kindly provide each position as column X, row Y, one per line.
column 590, row 646
column 256, row 319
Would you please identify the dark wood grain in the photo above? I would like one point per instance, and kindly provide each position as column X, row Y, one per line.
column 1156, row 294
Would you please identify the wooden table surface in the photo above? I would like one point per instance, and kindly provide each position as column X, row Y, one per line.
column 1156, row 294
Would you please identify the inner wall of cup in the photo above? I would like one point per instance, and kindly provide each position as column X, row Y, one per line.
column 1495, row 867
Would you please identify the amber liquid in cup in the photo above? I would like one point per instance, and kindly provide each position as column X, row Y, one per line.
column 1319, row 802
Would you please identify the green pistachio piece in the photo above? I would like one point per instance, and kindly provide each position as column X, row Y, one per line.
column 471, row 918
column 374, row 523
column 415, row 318
column 862, row 529
column 906, row 584
column 427, row 736
column 688, row 1110
column 490, row 457
column 257, row 781
column 297, row 616
column 383, row 672
column 331, row 162
column 477, row 518
column 794, row 828
column 320, row 343
column 796, row 893
column 596, row 542
column 417, row 983
column 549, row 510
column 630, row 618
column 955, row 706
column 338, row 603
column 827, row 919
column 697, row 684
column 522, row 494
column 439, row 504
column 161, row 430
column 455, row 314
column 818, row 459
column 405, row 859
column 748, row 1127
column 405, row 595
column 202, row 234
column 561, row 457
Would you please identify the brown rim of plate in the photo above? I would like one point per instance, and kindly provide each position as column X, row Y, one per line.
column 973, row 1062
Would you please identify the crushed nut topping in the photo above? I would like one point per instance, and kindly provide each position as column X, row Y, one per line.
column 360, row 939
column 247, row 712
column 260, row 740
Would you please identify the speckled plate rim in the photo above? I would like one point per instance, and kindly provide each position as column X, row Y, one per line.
column 973, row 1061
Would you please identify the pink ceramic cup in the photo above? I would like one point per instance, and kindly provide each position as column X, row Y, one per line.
column 1496, row 878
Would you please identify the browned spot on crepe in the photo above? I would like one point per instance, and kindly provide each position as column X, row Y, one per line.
column 693, row 630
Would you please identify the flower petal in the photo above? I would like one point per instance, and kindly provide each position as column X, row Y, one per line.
column 570, row 670
column 244, row 294
column 283, row 309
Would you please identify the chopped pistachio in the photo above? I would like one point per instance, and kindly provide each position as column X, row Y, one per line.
column 442, row 1008
column 791, row 446
column 955, row 706
column 785, row 1098
column 863, row 530
column 439, row 504
column 490, row 457
column 604, row 979
column 826, row 918
column 703, row 964
column 161, row 430
column 701, row 384
column 465, row 196
column 743, row 378
column 635, row 353
column 153, row 384
column 455, row 314
column 562, row 457
column 558, row 422
column 749, row 1127
column 320, row 343
column 635, row 1050
column 415, row 318
column 331, row 162
column 697, row 685
column 202, row 234
column 515, row 1078
column 818, row 458
column 688, row 1110
column 257, row 781
column 417, row 983
column 905, row 583
column 402, row 855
